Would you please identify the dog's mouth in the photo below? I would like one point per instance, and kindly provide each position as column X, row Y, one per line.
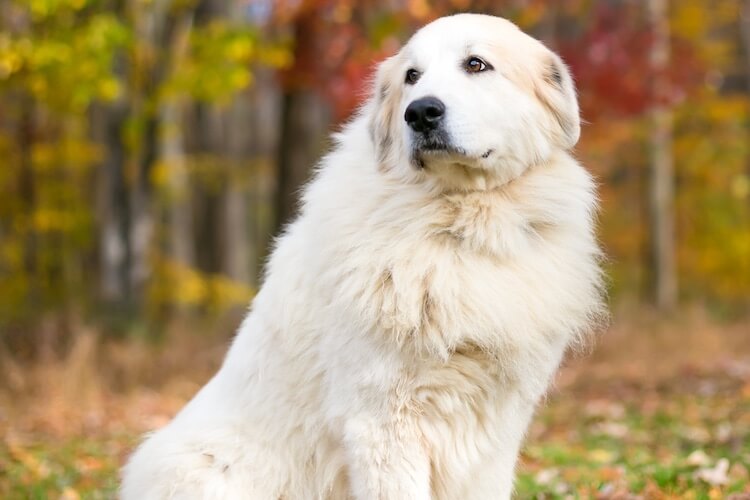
column 434, row 146
column 439, row 148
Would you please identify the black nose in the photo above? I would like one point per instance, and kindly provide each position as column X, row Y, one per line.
column 425, row 114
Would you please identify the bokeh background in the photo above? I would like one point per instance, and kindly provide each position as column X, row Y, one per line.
column 151, row 149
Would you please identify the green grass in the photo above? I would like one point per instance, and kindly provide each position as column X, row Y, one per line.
column 71, row 468
column 656, row 442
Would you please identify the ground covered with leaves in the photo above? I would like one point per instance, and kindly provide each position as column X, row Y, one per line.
column 683, row 438
column 654, row 414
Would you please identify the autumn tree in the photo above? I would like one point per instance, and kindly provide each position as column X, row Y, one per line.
column 661, row 185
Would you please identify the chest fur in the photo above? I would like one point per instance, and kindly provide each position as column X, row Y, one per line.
column 474, row 274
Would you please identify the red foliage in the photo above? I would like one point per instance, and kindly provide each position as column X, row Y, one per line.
column 608, row 50
column 334, row 51
column 612, row 65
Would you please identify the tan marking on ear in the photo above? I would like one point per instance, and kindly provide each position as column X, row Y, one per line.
column 386, row 94
column 542, row 74
column 553, row 75
column 556, row 93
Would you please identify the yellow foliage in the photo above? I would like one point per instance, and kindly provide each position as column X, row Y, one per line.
column 240, row 78
column 240, row 49
column 160, row 174
column 531, row 15
column 71, row 154
column 45, row 8
column 689, row 19
column 10, row 61
column 44, row 221
column 698, row 20
column 179, row 285
column 419, row 9
column 11, row 253
column 109, row 89
column 277, row 57
column 740, row 187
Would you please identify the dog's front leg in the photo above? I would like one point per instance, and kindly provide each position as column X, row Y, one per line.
column 386, row 459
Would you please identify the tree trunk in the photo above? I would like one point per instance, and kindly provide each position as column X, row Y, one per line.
column 661, row 185
column 304, row 117
column 180, row 207
column 263, row 136
column 304, row 125
column 744, row 20
column 172, row 150
column 237, row 249
column 745, row 37
column 27, row 188
column 161, row 28
column 207, row 196
column 141, row 212
column 114, row 214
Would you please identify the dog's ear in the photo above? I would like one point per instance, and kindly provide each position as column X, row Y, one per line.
column 556, row 90
column 383, row 109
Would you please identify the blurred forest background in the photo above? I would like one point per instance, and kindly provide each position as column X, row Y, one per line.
column 151, row 149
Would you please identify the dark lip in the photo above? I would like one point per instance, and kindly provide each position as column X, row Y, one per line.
column 438, row 143
column 433, row 142
column 434, row 149
column 427, row 150
column 442, row 148
column 432, row 139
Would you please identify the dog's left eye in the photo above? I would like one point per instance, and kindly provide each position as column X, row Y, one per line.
column 412, row 75
column 476, row 65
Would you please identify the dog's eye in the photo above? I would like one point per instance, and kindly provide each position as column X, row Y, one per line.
column 412, row 75
column 476, row 65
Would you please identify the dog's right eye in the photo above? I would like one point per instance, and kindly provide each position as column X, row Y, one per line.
column 412, row 75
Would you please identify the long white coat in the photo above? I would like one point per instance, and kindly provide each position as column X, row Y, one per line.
column 408, row 324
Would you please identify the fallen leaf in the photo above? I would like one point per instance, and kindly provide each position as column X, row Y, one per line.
column 716, row 476
column 698, row 458
column 604, row 408
column 611, row 473
column 738, row 472
column 546, row 476
column 723, row 432
column 601, row 456
column 697, row 434
column 69, row 494
column 612, row 429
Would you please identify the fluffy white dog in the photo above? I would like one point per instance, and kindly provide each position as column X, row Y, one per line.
column 414, row 314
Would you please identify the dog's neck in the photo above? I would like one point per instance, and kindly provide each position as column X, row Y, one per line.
column 507, row 220
column 459, row 179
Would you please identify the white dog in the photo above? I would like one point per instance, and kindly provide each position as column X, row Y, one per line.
column 413, row 315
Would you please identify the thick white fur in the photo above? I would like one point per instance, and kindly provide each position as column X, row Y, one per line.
column 411, row 318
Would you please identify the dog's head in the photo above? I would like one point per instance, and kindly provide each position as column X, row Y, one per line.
column 473, row 101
